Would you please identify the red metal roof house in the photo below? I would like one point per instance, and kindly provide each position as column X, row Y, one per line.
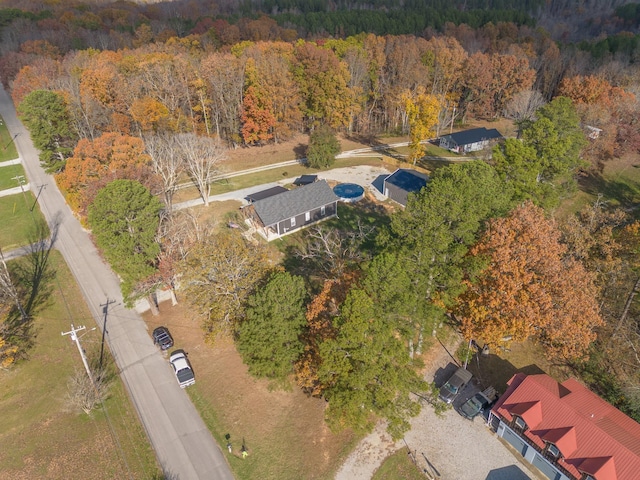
column 567, row 431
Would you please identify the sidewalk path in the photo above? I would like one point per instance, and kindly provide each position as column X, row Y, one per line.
column 17, row 161
column 12, row 191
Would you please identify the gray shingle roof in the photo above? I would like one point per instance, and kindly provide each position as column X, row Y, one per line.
column 262, row 194
column 294, row 202
column 474, row 135
column 305, row 179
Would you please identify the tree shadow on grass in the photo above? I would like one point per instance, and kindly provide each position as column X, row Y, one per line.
column 300, row 151
column 625, row 193
column 494, row 371
column 33, row 276
column 365, row 216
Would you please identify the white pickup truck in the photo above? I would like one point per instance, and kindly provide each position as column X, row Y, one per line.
column 182, row 368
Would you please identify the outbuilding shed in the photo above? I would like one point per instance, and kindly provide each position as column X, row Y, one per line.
column 402, row 182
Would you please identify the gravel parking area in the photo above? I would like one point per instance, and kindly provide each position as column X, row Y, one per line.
column 456, row 448
column 449, row 447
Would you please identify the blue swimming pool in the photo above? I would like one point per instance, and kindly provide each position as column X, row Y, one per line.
column 349, row 192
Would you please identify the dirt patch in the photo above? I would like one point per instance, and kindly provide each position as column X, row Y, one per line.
column 249, row 157
column 284, row 432
column 256, row 156
column 505, row 126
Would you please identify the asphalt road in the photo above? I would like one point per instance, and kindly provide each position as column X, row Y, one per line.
column 184, row 447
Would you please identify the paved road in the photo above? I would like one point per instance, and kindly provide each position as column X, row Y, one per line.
column 184, row 447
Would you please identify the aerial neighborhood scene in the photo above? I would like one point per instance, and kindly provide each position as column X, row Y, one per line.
column 324, row 240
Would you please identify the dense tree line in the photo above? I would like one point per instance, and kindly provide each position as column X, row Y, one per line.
column 395, row 22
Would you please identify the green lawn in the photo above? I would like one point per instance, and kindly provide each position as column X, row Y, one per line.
column 42, row 435
column 7, row 146
column 7, row 174
column 18, row 220
column 398, row 466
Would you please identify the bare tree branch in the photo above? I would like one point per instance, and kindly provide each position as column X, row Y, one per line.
column 202, row 156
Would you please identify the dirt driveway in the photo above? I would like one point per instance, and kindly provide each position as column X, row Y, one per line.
column 446, row 448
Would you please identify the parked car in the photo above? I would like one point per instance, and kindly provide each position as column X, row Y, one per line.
column 162, row 338
column 450, row 390
column 182, row 368
column 474, row 406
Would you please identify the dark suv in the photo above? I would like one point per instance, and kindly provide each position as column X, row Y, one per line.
column 162, row 338
column 450, row 390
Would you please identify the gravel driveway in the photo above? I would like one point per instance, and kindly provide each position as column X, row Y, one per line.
column 449, row 447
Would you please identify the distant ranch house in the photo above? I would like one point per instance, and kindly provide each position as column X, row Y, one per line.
column 469, row 140
column 286, row 212
column 402, row 182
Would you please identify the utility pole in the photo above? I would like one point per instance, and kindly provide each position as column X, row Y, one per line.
column 20, row 179
column 105, row 310
column 74, row 337
column 12, row 140
column 40, row 187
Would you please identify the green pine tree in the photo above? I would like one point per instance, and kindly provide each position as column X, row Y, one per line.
column 269, row 338
column 46, row 116
column 124, row 219
column 323, row 147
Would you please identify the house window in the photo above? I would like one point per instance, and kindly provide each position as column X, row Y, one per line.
column 520, row 423
column 552, row 450
column 293, row 221
column 307, row 216
column 323, row 210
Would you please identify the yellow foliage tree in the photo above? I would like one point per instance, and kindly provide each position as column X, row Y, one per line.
column 422, row 111
column 149, row 113
column 8, row 352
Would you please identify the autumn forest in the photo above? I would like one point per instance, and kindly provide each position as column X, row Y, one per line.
column 126, row 100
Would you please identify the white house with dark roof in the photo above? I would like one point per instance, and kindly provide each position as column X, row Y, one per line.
column 469, row 140
column 286, row 212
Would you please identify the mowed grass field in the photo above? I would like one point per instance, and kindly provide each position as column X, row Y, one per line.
column 8, row 174
column 41, row 434
column 18, row 220
column 7, row 146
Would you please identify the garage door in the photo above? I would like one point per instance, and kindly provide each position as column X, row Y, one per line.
column 542, row 465
column 515, row 441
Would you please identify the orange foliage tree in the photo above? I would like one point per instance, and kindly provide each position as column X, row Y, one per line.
column 37, row 76
column 95, row 163
column 149, row 113
column 320, row 314
column 257, row 120
column 529, row 288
